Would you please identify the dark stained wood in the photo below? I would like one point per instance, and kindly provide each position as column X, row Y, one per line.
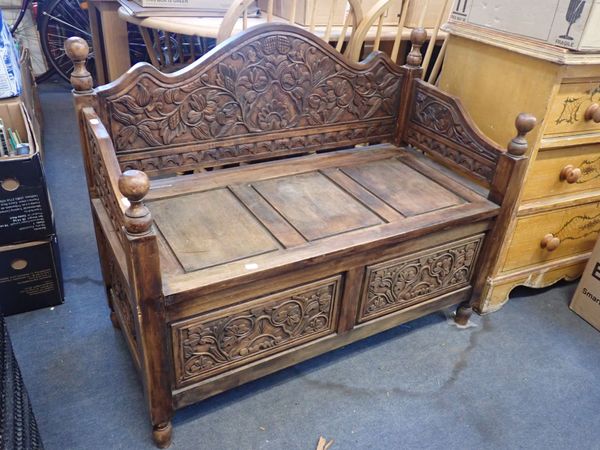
column 226, row 275
column 282, row 230
column 405, row 196
column 181, row 224
column 505, row 190
column 368, row 199
column 277, row 92
column 315, row 206
column 440, row 126
column 202, row 390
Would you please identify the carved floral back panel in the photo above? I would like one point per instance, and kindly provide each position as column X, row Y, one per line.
column 266, row 88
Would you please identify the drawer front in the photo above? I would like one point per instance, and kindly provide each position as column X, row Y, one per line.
column 563, row 171
column 566, row 115
column 217, row 342
column 575, row 228
column 399, row 283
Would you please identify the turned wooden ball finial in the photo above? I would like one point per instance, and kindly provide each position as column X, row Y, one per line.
column 134, row 185
column 417, row 39
column 77, row 50
column 592, row 112
column 524, row 123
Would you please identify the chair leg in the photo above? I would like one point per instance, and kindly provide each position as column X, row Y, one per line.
column 162, row 434
column 463, row 313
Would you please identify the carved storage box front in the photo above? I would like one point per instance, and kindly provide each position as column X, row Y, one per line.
column 402, row 282
column 214, row 343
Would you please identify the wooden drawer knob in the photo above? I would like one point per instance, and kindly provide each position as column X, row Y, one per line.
column 570, row 174
column 550, row 242
column 593, row 113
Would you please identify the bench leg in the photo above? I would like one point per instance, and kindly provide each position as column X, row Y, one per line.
column 463, row 313
column 162, row 434
column 114, row 320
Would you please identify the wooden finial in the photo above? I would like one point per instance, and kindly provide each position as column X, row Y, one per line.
column 592, row 113
column 524, row 123
column 417, row 39
column 134, row 185
column 78, row 50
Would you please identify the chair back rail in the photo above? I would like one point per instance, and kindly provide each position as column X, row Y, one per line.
column 373, row 18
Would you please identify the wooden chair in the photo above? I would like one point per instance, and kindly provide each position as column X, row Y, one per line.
column 239, row 11
column 170, row 51
column 374, row 17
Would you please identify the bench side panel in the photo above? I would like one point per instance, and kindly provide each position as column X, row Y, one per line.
column 439, row 126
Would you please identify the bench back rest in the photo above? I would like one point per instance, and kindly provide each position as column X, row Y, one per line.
column 275, row 90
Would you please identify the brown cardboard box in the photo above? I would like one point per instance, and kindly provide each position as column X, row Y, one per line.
column 586, row 301
column 573, row 24
column 30, row 276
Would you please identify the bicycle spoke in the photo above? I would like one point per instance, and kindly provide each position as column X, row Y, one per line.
column 88, row 34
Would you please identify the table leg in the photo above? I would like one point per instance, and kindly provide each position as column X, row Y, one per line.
column 114, row 39
column 96, row 29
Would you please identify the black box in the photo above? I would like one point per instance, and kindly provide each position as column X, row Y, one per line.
column 25, row 209
column 30, row 276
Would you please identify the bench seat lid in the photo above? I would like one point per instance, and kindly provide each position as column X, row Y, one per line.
column 227, row 227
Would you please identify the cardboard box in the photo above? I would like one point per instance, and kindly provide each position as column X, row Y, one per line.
column 25, row 208
column 573, row 24
column 586, row 300
column 30, row 276
column 304, row 8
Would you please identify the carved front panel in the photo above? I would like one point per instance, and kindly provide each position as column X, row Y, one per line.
column 265, row 87
column 214, row 343
column 397, row 284
column 439, row 126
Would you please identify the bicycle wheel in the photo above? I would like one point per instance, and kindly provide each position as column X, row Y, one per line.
column 23, row 27
column 58, row 21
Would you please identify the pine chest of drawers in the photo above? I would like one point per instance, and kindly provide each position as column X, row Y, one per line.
column 551, row 232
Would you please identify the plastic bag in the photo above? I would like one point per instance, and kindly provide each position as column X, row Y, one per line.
column 10, row 71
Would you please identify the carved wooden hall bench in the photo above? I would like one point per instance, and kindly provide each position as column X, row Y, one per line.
column 274, row 201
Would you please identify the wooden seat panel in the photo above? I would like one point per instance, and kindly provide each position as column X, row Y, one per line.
column 274, row 216
column 402, row 188
column 228, row 230
column 316, row 206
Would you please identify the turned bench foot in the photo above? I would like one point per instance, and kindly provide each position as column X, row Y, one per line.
column 114, row 320
column 463, row 313
column 162, row 434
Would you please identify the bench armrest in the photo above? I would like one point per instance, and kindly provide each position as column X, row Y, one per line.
column 121, row 193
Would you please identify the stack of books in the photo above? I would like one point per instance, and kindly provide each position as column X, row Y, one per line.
column 176, row 8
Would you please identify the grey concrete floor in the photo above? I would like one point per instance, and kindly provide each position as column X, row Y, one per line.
column 524, row 377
